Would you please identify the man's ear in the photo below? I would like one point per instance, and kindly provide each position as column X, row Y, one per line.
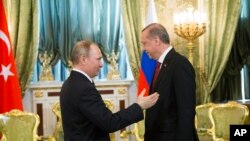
column 157, row 41
column 82, row 59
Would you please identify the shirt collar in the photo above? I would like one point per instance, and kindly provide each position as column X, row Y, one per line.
column 164, row 54
column 85, row 74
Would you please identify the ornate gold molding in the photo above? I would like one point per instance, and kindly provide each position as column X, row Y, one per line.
column 46, row 74
column 122, row 91
column 38, row 94
column 113, row 72
column 109, row 104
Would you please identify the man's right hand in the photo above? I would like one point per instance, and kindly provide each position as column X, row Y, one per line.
column 146, row 102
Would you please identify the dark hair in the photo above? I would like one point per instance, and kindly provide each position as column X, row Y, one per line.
column 157, row 30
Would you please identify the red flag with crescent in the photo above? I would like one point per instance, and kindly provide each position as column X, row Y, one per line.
column 10, row 92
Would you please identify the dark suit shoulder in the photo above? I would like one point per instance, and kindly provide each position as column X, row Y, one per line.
column 178, row 59
column 77, row 85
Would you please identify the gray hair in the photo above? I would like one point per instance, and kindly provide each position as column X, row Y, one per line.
column 158, row 30
column 80, row 48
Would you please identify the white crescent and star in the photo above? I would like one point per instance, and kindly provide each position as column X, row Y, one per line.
column 6, row 69
column 6, row 72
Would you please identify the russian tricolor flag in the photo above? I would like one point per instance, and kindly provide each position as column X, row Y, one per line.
column 146, row 73
column 147, row 64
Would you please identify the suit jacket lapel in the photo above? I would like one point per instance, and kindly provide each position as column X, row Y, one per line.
column 165, row 65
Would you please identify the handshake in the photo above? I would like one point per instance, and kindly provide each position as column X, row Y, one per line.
column 146, row 102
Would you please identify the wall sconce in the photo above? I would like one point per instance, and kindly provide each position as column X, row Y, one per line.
column 189, row 24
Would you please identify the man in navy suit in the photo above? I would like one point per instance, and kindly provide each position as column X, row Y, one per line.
column 84, row 114
column 172, row 117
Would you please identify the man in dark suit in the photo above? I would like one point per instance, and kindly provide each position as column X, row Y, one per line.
column 84, row 114
column 172, row 117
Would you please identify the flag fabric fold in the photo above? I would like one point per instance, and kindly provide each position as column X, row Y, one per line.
column 146, row 73
column 147, row 64
column 10, row 93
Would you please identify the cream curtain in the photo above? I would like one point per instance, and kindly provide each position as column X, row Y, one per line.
column 133, row 13
column 23, row 27
column 222, row 22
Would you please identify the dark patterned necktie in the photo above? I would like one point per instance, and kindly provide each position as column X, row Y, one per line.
column 157, row 70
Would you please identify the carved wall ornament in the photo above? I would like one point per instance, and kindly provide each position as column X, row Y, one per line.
column 46, row 74
column 113, row 72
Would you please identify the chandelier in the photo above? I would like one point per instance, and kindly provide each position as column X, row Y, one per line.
column 189, row 24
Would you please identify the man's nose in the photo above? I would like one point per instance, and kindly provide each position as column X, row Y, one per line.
column 101, row 65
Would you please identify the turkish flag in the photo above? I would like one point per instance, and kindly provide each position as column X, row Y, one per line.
column 10, row 92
